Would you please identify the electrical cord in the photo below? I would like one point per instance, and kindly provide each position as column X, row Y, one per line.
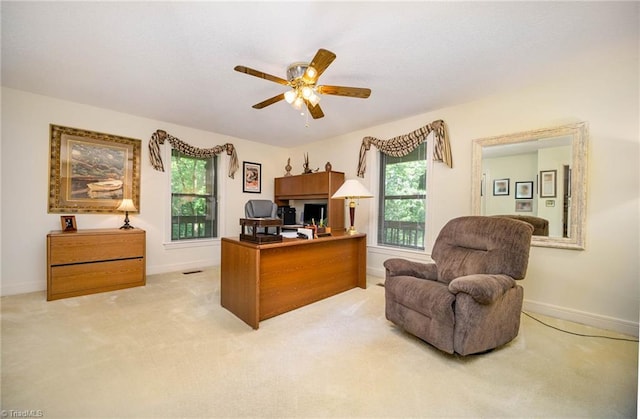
column 577, row 334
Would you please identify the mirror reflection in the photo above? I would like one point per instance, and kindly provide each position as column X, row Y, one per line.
column 538, row 177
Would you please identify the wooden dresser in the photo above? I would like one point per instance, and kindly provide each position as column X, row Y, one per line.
column 92, row 261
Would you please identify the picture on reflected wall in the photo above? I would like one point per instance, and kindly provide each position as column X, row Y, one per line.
column 548, row 183
column 524, row 190
column 524, row 206
column 501, row 187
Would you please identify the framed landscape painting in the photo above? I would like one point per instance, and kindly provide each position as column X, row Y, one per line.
column 92, row 172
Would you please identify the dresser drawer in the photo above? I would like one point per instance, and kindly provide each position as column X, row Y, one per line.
column 70, row 280
column 75, row 248
column 91, row 261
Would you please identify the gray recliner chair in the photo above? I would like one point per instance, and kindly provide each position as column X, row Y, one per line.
column 260, row 208
column 468, row 300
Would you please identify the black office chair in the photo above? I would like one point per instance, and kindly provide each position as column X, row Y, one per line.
column 261, row 208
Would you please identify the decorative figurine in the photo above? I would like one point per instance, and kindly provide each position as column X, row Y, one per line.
column 327, row 167
column 288, row 167
column 307, row 170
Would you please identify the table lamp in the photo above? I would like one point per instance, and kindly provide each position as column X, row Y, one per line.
column 126, row 205
column 352, row 190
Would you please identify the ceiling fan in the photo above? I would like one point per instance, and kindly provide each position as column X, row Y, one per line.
column 302, row 78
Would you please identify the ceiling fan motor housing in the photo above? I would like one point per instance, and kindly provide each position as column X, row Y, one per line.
column 296, row 70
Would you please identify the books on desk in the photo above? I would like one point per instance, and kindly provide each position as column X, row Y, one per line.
column 305, row 233
column 290, row 234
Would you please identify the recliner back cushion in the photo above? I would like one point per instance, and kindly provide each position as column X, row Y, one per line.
column 476, row 244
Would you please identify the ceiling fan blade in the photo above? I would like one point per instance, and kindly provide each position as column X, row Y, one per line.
column 319, row 63
column 260, row 74
column 315, row 111
column 358, row 92
column 269, row 101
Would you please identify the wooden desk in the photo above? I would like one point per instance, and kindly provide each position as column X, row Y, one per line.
column 259, row 281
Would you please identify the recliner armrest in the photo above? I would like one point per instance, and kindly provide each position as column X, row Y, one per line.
column 400, row 267
column 483, row 288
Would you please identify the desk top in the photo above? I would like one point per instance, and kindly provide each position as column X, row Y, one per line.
column 294, row 242
column 261, row 222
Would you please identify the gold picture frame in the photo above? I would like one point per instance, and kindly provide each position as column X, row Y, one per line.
column 92, row 172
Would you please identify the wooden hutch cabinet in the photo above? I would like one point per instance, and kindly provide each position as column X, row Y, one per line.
column 318, row 185
column 94, row 260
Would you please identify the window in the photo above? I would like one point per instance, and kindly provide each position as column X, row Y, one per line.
column 403, row 199
column 193, row 197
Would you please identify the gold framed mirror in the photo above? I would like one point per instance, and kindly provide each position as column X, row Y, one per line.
column 538, row 175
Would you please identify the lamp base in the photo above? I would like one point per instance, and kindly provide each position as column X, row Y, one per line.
column 126, row 225
column 351, row 231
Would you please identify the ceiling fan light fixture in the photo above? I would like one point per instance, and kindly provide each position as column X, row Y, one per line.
column 298, row 103
column 311, row 72
column 314, row 99
column 290, row 96
column 306, row 92
column 302, row 77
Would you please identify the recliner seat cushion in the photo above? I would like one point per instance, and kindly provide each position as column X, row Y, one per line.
column 423, row 308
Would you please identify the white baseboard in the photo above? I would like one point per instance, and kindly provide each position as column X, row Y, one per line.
column 35, row 286
column 178, row 267
column 590, row 319
column 377, row 272
column 23, row 288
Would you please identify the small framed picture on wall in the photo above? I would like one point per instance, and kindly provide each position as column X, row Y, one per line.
column 501, row 187
column 524, row 190
column 524, row 206
column 251, row 177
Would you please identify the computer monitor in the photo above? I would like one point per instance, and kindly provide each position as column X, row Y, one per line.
column 315, row 212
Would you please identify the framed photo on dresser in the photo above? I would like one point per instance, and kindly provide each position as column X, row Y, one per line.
column 68, row 223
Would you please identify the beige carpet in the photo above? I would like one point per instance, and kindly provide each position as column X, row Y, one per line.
column 170, row 350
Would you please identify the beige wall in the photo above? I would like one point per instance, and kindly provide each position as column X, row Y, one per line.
column 25, row 159
column 597, row 286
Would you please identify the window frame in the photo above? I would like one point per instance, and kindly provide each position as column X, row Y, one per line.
column 222, row 168
column 211, row 197
column 375, row 213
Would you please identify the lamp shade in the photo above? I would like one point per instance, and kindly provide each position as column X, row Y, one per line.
column 126, row 205
column 352, row 189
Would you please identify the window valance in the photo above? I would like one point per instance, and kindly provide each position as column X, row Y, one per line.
column 160, row 136
column 404, row 144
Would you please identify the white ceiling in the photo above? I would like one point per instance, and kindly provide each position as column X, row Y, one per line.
column 173, row 61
